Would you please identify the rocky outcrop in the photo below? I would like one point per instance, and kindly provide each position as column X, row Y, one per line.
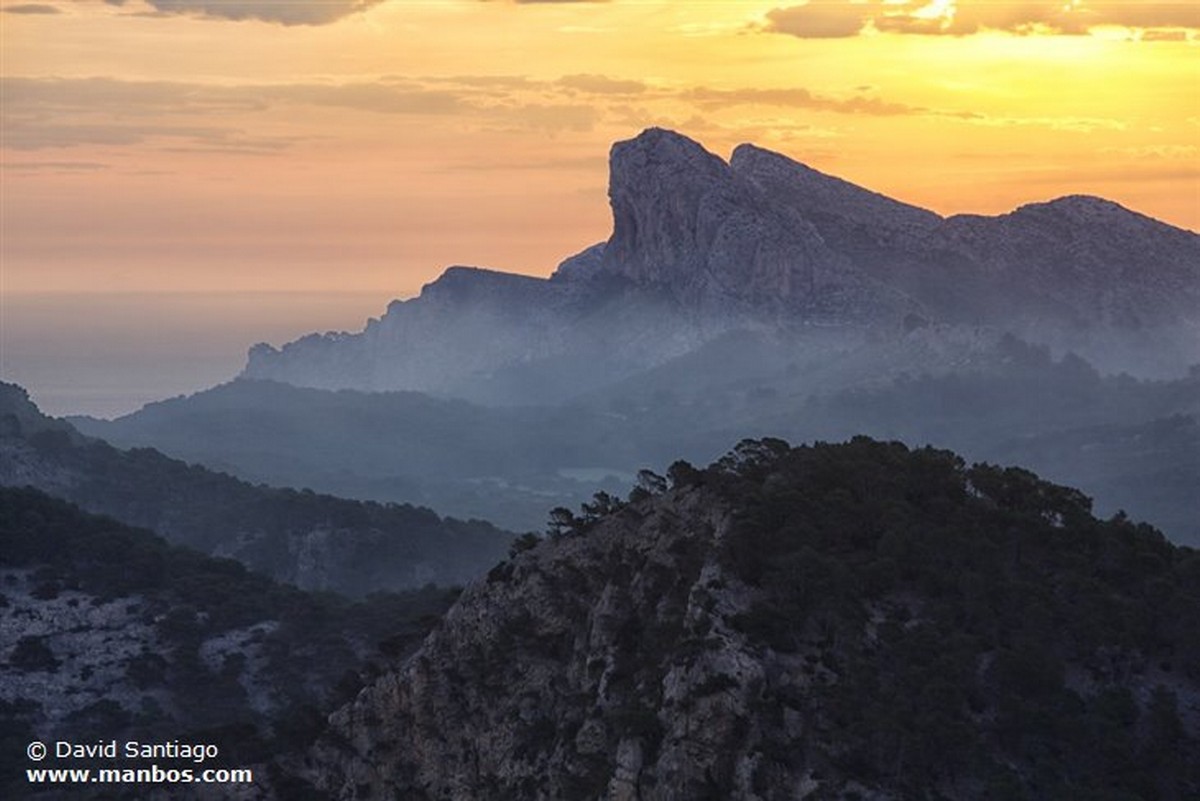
column 558, row 676
column 721, row 241
column 700, row 246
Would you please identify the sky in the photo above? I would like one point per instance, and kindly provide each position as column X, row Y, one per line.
column 181, row 151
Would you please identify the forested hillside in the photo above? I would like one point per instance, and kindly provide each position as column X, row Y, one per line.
column 825, row 622
column 312, row 540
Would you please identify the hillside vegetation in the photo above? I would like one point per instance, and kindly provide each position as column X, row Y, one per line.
column 826, row 622
column 312, row 540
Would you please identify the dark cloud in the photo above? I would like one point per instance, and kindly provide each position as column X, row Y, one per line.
column 284, row 12
column 823, row 19
column 32, row 8
column 820, row 19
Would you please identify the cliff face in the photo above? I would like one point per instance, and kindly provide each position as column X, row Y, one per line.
column 700, row 246
column 826, row 622
column 549, row 679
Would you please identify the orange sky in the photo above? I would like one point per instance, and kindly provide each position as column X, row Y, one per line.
column 363, row 145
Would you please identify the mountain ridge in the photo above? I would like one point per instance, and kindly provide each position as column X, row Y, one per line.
column 317, row 542
column 701, row 246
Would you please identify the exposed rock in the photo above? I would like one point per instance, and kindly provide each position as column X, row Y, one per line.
column 700, row 246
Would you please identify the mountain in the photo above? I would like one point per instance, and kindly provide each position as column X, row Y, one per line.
column 834, row 621
column 701, row 247
column 109, row 633
column 310, row 540
column 1132, row 444
column 508, row 465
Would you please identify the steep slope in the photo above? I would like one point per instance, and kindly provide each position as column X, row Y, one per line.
column 840, row 621
column 701, row 247
column 313, row 541
column 1086, row 274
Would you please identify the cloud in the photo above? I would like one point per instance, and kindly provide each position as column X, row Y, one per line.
column 1072, row 124
column 115, row 97
column 1157, row 35
column 40, row 113
column 1149, row 14
column 601, row 84
column 797, row 98
column 820, row 19
column 32, row 8
column 823, row 19
column 284, row 12
column 53, row 166
column 41, row 135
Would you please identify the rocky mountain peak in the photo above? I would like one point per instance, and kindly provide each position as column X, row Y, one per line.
column 700, row 247
column 665, row 152
column 658, row 183
column 1080, row 210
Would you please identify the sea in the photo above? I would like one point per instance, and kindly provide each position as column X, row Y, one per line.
column 106, row 354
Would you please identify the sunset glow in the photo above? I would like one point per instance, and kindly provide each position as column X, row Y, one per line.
column 206, row 146
column 284, row 154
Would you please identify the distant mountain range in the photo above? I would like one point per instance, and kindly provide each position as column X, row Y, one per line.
column 1132, row 444
column 701, row 247
column 316, row 542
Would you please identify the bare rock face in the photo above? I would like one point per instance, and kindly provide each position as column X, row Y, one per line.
column 700, row 246
column 839, row 210
column 663, row 188
column 557, row 678
column 724, row 244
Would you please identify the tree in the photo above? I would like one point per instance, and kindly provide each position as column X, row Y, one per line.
column 562, row 522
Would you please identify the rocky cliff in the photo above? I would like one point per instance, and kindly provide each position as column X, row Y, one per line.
column 701, row 246
column 853, row 621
